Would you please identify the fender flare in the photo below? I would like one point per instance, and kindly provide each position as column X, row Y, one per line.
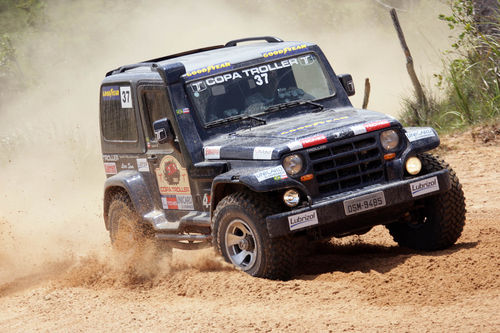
column 422, row 139
column 243, row 179
column 135, row 186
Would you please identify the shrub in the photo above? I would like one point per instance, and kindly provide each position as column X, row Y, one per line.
column 471, row 76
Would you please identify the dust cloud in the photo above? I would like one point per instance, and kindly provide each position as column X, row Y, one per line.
column 52, row 175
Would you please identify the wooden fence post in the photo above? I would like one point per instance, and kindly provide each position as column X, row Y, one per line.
column 367, row 93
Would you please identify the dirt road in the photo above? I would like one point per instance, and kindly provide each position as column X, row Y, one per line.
column 363, row 283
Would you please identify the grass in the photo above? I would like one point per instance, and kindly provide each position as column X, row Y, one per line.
column 470, row 79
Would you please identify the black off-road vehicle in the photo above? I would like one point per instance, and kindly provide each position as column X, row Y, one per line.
column 256, row 148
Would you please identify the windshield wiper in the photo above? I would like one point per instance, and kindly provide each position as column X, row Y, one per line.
column 249, row 116
column 234, row 118
column 287, row 105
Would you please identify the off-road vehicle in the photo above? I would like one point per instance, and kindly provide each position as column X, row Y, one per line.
column 254, row 146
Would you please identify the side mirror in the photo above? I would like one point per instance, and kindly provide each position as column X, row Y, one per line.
column 347, row 83
column 163, row 131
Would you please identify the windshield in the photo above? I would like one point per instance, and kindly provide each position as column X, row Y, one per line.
column 253, row 90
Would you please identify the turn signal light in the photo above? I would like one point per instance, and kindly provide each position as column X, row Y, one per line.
column 307, row 177
column 389, row 156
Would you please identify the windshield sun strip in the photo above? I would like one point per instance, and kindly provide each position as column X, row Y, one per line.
column 328, row 84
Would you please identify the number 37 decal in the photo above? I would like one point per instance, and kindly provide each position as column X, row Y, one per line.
column 261, row 79
column 125, row 97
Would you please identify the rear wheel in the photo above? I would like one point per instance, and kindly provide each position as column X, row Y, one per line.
column 438, row 221
column 129, row 235
column 240, row 235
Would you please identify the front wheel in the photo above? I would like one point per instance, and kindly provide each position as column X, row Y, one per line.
column 240, row 235
column 438, row 221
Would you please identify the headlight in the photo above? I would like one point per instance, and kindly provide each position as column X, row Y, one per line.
column 293, row 164
column 389, row 139
column 413, row 165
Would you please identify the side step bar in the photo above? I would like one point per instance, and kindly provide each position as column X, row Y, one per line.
column 162, row 225
column 186, row 241
column 172, row 231
column 196, row 219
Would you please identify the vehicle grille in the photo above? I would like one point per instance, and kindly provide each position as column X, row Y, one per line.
column 342, row 166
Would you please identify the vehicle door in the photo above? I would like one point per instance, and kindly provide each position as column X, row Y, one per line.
column 164, row 162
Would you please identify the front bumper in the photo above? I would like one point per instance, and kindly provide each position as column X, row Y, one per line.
column 330, row 212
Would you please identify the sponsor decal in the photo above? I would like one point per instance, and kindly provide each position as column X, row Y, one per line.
column 376, row 125
column 285, row 50
column 369, row 127
column 424, row 186
column 110, row 168
column 311, row 150
column 263, row 153
column 258, row 74
column 127, row 166
column 185, row 202
column 111, row 93
column 302, row 220
column 209, row 69
column 295, row 145
column 417, row 134
column 318, row 123
column 182, row 111
column 307, row 142
column 110, row 158
column 126, row 97
column 271, row 173
column 358, row 129
column 169, row 202
column 211, row 152
column 181, row 202
column 173, row 181
column 313, row 141
column 142, row 165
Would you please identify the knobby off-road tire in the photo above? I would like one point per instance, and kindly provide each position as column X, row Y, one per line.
column 129, row 235
column 240, row 236
column 439, row 223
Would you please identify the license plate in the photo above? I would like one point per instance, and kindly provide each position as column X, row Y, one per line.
column 364, row 203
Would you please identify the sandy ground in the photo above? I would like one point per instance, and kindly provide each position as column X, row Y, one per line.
column 363, row 283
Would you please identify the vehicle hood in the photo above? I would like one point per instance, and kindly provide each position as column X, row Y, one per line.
column 271, row 141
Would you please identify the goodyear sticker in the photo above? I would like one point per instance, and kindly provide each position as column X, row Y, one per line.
column 111, row 93
column 209, row 69
column 314, row 125
column 285, row 50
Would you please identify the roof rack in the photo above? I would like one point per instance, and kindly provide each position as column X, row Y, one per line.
column 269, row 39
column 152, row 61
